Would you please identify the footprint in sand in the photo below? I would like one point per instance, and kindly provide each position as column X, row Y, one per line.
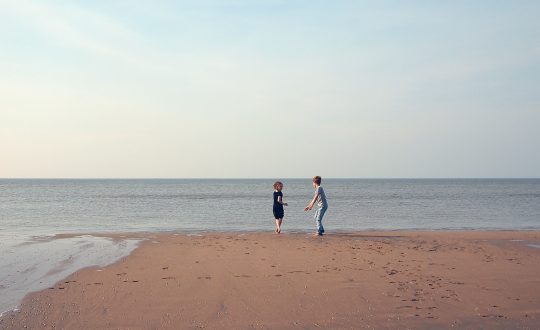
column 495, row 316
column 168, row 278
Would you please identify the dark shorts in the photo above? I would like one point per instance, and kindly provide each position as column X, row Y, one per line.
column 278, row 212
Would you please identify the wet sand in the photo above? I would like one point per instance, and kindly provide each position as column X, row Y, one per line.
column 371, row 280
column 29, row 264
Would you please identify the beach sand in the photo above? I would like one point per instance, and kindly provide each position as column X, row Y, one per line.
column 370, row 280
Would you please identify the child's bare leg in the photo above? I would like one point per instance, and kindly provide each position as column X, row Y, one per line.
column 278, row 224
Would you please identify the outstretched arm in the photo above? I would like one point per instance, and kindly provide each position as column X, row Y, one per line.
column 310, row 205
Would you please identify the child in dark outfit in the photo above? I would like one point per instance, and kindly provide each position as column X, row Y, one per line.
column 278, row 205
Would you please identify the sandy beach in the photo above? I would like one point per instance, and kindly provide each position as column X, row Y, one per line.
column 370, row 280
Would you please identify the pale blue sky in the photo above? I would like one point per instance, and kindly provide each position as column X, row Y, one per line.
column 269, row 88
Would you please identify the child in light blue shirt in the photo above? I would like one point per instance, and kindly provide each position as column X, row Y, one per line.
column 320, row 199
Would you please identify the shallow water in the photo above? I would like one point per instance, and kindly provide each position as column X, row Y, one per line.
column 34, row 264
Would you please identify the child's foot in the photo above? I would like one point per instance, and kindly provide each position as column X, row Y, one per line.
column 279, row 230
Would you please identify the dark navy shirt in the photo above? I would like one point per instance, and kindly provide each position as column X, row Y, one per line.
column 276, row 195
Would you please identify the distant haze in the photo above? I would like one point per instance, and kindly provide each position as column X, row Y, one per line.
column 233, row 88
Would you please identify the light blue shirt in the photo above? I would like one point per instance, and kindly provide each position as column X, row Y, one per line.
column 321, row 199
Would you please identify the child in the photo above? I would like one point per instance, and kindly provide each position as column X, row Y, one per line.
column 278, row 205
column 320, row 199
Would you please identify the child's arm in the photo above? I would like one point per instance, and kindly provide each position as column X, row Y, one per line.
column 280, row 201
column 310, row 206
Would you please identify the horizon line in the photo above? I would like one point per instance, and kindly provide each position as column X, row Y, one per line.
column 263, row 178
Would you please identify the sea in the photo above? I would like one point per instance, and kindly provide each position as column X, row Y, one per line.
column 33, row 211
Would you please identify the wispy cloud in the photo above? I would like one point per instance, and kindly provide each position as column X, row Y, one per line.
column 76, row 27
column 72, row 26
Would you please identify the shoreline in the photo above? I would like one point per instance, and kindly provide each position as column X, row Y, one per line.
column 231, row 247
column 34, row 263
column 144, row 233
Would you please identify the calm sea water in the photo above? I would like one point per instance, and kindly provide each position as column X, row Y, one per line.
column 53, row 206
column 30, row 208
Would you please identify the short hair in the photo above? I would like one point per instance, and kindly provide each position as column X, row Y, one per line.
column 277, row 183
column 317, row 179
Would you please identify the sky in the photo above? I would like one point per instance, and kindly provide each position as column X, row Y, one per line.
column 269, row 89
